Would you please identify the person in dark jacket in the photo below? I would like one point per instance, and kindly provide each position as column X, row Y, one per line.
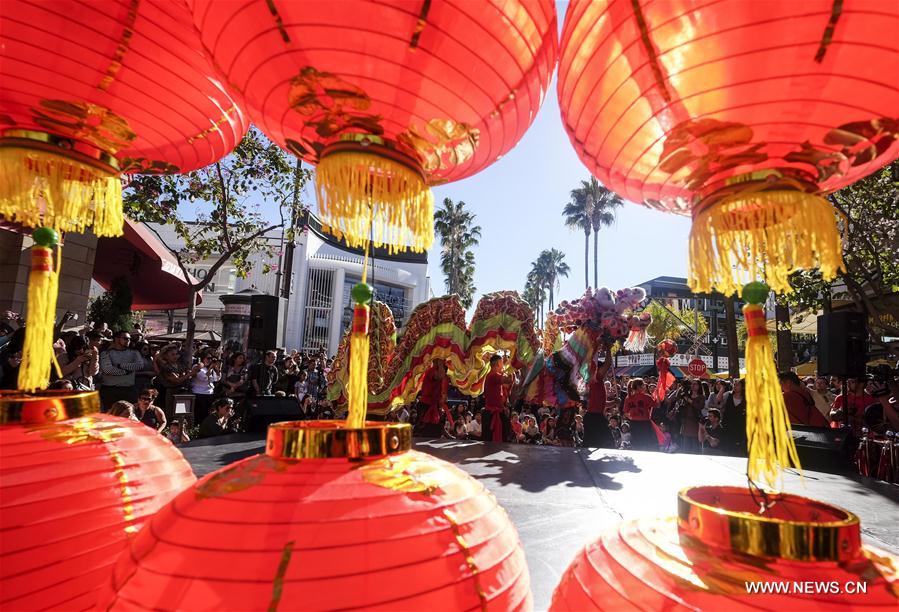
column 219, row 420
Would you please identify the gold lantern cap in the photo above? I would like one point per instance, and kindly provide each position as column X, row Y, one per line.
column 792, row 527
column 327, row 439
column 49, row 406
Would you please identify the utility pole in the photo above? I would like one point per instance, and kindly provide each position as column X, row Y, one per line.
column 733, row 353
column 285, row 283
column 715, row 339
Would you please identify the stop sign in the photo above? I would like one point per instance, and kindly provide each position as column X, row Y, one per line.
column 696, row 368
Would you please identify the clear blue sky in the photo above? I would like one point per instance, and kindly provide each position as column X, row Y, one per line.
column 518, row 202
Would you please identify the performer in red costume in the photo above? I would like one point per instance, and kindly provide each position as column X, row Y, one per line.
column 666, row 349
column 493, row 417
column 638, row 409
column 432, row 399
column 596, row 429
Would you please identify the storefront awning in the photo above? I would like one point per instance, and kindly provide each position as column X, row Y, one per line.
column 634, row 370
column 156, row 280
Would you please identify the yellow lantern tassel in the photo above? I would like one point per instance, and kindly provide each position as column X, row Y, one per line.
column 43, row 286
column 770, row 444
column 357, row 391
column 777, row 232
column 45, row 188
column 364, row 195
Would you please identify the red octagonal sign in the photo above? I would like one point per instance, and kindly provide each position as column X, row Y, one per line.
column 696, row 368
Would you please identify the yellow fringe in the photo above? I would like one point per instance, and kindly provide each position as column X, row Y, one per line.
column 357, row 390
column 42, row 188
column 771, row 447
column 769, row 233
column 40, row 317
column 362, row 194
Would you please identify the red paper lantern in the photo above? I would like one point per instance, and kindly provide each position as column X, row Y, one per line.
column 329, row 518
column 74, row 490
column 666, row 348
column 92, row 90
column 718, row 544
column 741, row 114
column 385, row 97
column 89, row 91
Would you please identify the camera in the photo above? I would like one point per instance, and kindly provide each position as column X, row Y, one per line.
column 883, row 375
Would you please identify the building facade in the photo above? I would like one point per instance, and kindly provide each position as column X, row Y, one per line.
column 315, row 276
column 209, row 311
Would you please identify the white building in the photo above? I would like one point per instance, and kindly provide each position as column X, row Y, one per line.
column 317, row 284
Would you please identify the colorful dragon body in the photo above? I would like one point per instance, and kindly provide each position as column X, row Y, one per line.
column 561, row 372
column 437, row 330
column 501, row 322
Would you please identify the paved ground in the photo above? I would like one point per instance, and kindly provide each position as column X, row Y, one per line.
column 560, row 498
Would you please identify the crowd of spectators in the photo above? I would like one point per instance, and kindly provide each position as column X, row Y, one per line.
column 140, row 380
column 706, row 416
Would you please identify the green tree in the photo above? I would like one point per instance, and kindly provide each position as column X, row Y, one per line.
column 113, row 306
column 535, row 295
column 458, row 234
column 549, row 267
column 578, row 216
column 601, row 204
column 869, row 226
column 212, row 210
column 674, row 324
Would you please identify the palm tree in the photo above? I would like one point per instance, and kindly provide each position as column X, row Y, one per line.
column 534, row 294
column 578, row 215
column 551, row 265
column 537, row 283
column 602, row 204
column 466, row 287
column 458, row 235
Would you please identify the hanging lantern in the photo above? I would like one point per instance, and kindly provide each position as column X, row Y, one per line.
column 744, row 115
column 75, row 486
column 386, row 98
column 720, row 547
column 90, row 91
column 333, row 518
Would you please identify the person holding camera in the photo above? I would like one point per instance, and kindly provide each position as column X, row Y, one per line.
column 689, row 403
column 173, row 376
column 202, row 384
column 220, row 420
column 711, row 434
column 883, row 414
column 79, row 363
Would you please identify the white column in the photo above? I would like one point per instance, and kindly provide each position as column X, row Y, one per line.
column 296, row 309
column 336, row 310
